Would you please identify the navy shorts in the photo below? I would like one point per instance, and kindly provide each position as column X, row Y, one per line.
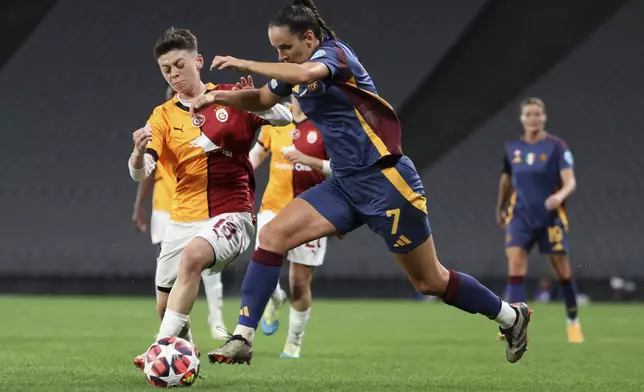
column 390, row 199
column 552, row 238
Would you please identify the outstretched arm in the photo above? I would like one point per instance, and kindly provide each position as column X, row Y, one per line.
column 252, row 100
column 287, row 72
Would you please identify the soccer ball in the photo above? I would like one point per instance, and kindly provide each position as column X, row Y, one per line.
column 171, row 362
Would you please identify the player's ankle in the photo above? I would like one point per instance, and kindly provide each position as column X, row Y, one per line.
column 247, row 333
column 507, row 316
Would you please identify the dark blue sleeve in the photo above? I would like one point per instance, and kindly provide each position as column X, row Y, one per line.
column 280, row 88
column 565, row 159
column 329, row 55
column 507, row 168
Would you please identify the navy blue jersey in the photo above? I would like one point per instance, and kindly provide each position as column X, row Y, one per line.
column 535, row 169
column 358, row 127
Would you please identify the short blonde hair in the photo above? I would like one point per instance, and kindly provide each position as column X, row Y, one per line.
column 533, row 101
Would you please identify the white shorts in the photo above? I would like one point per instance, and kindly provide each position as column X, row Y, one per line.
column 311, row 254
column 158, row 223
column 229, row 234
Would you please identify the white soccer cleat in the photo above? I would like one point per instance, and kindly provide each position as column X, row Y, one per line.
column 291, row 350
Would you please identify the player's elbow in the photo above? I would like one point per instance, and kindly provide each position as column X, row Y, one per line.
column 303, row 76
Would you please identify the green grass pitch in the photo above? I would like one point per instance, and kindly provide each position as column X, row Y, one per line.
column 87, row 344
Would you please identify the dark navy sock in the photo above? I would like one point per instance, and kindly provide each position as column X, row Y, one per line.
column 569, row 292
column 516, row 290
column 260, row 280
column 466, row 293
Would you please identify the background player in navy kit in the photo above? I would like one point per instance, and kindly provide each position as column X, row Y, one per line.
column 539, row 169
column 373, row 183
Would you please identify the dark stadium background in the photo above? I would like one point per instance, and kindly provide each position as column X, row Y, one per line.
column 77, row 77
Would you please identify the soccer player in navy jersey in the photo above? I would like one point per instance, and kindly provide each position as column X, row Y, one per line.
column 373, row 183
column 538, row 168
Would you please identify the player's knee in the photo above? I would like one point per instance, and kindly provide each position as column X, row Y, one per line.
column 432, row 285
column 196, row 257
column 272, row 238
column 300, row 290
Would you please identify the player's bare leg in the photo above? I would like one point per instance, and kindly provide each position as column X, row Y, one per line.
column 196, row 257
column 462, row 291
column 296, row 224
column 162, row 302
column 561, row 266
column 517, row 270
column 300, row 277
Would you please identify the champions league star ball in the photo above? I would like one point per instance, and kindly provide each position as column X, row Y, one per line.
column 171, row 362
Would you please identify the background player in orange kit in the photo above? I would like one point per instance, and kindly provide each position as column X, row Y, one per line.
column 164, row 183
column 298, row 162
column 211, row 221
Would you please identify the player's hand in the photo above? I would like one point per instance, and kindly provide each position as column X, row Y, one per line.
column 553, row 202
column 138, row 218
column 141, row 137
column 245, row 83
column 201, row 102
column 229, row 62
column 296, row 156
column 500, row 220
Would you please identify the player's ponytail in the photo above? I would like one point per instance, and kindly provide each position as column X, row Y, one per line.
column 323, row 26
column 301, row 16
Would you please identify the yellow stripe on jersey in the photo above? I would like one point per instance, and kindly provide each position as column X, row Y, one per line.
column 563, row 216
column 416, row 199
column 375, row 139
column 513, row 201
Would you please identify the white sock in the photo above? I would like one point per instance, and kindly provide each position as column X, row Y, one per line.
column 279, row 295
column 247, row 333
column 506, row 316
column 296, row 324
column 574, row 321
column 172, row 324
column 214, row 296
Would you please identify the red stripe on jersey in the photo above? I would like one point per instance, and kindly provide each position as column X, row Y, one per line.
column 382, row 120
column 308, row 140
column 231, row 184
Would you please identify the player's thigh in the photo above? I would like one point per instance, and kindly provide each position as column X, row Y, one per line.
column 228, row 235
column 158, row 223
column 319, row 212
column 178, row 235
column 262, row 219
column 553, row 239
column 310, row 254
column 393, row 204
column 519, row 239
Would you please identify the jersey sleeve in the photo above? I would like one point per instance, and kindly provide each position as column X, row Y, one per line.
column 280, row 88
column 264, row 138
column 329, row 56
column 159, row 128
column 565, row 159
column 507, row 168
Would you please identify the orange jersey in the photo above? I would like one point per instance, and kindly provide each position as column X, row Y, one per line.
column 286, row 181
column 207, row 155
column 164, row 184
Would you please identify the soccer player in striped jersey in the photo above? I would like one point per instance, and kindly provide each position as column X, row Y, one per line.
column 211, row 221
column 373, row 182
column 163, row 183
column 538, row 168
column 298, row 162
